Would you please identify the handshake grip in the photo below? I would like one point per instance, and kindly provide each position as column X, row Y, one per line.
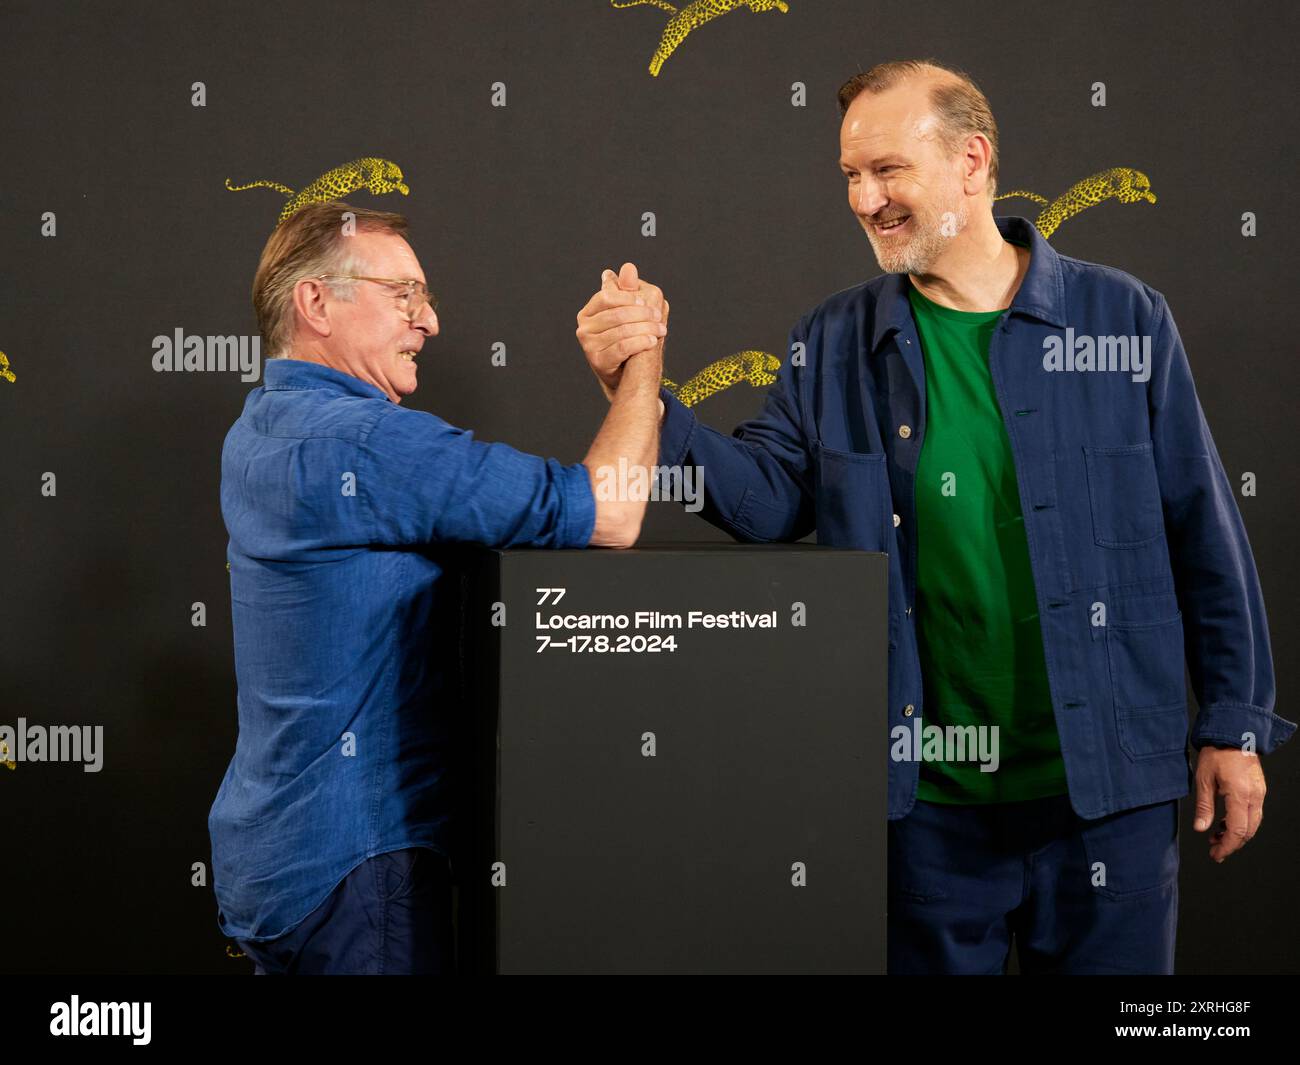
column 626, row 318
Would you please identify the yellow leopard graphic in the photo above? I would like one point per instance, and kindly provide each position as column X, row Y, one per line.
column 757, row 367
column 693, row 16
column 377, row 175
column 1121, row 182
column 5, row 760
column 5, row 372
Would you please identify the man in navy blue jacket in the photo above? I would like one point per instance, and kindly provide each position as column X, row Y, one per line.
column 1020, row 432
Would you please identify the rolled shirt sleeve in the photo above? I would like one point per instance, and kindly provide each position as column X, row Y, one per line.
column 427, row 481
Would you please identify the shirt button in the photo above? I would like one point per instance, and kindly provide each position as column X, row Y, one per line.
column 909, row 610
column 897, row 521
column 904, row 431
column 907, row 710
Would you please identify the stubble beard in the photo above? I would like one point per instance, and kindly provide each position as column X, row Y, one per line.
column 919, row 254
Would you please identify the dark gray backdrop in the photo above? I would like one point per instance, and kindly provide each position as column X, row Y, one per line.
column 515, row 211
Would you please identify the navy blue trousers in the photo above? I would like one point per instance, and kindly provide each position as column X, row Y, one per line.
column 391, row 915
column 1075, row 895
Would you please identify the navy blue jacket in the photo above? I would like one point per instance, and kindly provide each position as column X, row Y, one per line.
column 1126, row 506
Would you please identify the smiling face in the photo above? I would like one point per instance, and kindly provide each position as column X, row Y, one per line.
column 906, row 189
column 370, row 337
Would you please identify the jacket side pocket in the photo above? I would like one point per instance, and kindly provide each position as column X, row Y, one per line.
column 1146, row 676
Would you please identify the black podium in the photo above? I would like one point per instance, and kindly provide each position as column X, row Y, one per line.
column 674, row 760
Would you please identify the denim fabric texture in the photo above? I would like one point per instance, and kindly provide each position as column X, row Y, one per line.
column 1077, row 897
column 335, row 498
column 1125, row 501
column 390, row 916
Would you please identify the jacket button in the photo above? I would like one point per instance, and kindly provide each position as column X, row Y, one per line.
column 907, row 710
column 897, row 521
column 909, row 611
column 904, row 431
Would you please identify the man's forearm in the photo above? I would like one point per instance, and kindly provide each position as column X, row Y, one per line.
column 630, row 432
column 611, row 392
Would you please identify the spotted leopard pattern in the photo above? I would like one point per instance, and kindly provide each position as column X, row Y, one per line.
column 1121, row 183
column 692, row 17
column 757, row 367
column 5, row 372
column 377, row 175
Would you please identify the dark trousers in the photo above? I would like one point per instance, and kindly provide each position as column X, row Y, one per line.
column 1077, row 896
column 390, row 915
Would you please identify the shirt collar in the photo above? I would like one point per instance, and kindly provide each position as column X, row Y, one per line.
column 1041, row 293
column 299, row 374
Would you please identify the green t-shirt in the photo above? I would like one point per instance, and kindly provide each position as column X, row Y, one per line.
column 976, row 612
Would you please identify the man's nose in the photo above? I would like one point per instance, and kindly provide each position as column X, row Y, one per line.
column 871, row 197
column 426, row 321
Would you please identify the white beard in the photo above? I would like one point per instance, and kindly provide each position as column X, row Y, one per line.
column 922, row 250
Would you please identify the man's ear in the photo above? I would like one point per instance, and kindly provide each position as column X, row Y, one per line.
column 310, row 306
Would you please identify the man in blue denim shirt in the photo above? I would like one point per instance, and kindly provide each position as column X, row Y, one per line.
column 330, row 830
column 1138, row 554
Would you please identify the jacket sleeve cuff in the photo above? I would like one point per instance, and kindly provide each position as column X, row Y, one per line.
column 1235, row 725
column 677, row 430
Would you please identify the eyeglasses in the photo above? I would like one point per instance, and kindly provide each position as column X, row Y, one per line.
column 414, row 296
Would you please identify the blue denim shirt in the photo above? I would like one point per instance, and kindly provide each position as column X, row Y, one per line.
column 1125, row 501
column 329, row 492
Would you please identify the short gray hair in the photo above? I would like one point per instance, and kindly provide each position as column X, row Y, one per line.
column 308, row 243
column 957, row 102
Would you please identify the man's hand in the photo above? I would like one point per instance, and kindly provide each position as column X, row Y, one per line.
column 1239, row 778
column 622, row 333
column 625, row 317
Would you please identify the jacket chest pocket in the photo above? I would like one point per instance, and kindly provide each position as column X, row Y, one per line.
column 853, row 500
column 1124, row 495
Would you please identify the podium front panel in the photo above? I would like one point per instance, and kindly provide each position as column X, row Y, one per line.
column 678, row 760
